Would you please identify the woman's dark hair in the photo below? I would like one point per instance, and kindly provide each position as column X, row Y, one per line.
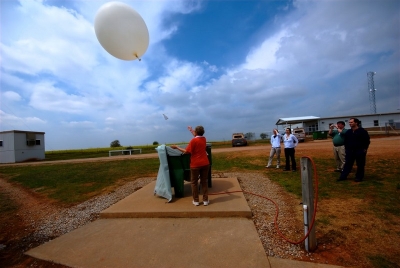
column 355, row 120
column 289, row 129
column 199, row 130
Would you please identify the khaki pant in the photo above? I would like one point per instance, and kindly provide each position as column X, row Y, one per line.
column 339, row 155
column 277, row 151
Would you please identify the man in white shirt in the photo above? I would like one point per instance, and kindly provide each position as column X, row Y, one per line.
column 275, row 149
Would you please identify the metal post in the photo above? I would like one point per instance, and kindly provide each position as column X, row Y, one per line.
column 308, row 199
column 372, row 89
column 306, row 226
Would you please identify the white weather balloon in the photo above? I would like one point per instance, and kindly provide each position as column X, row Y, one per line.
column 121, row 31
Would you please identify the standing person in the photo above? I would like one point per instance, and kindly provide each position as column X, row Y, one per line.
column 199, row 164
column 290, row 141
column 275, row 149
column 338, row 144
column 356, row 143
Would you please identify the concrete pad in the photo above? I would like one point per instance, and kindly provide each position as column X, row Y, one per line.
column 143, row 230
column 152, row 242
column 144, row 204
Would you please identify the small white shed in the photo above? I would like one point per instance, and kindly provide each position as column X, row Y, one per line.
column 19, row 146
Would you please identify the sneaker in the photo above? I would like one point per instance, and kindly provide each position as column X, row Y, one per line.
column 195, row 203
column 277, row 166
column 206, row 202
column 268, row 166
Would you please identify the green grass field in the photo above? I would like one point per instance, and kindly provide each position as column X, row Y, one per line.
column 103, row 152
column 73, row 183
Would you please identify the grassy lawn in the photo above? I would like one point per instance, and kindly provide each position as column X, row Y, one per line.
column 380, row 187
column 92, row 152
column 103, row 152
column 75, row 183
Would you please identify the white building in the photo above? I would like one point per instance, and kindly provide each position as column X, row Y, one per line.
column 379, row 122
column 20, row 146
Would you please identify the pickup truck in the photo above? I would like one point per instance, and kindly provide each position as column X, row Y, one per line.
column 238, row 139
column 299, row 133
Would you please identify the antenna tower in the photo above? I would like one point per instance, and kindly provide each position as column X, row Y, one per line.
column 372, row 89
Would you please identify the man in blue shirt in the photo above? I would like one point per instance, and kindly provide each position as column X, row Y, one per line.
column 356, row 143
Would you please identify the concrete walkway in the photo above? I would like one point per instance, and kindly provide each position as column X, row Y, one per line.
column 144, row 230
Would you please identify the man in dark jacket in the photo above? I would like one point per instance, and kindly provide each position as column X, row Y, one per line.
column 356, row 143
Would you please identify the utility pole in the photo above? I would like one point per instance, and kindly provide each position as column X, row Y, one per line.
column 372, row 89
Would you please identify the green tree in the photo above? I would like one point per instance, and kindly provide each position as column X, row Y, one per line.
column 155, row 142
column 115, row 144
column 263, row 136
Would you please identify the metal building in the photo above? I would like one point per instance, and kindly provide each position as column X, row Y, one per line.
column 371, row 122
column 19, row 146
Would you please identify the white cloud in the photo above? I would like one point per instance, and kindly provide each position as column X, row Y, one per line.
column 47, row 97
column 17, row 123
column 108, row 129
column 80, row 124
column 264, row 56
column 6, row 117
column 45, row 45
column 110, row 120
column 34, row 121
column 11, row 96
column 180, row 77
column 211, row 68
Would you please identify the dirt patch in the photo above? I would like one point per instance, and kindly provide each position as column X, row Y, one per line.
column 16, row 229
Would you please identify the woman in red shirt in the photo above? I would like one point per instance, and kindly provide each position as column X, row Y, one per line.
column 199, row 164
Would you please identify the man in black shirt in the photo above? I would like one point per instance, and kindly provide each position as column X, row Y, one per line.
column 356, row 143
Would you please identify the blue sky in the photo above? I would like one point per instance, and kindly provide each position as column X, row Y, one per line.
column 231, row 66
